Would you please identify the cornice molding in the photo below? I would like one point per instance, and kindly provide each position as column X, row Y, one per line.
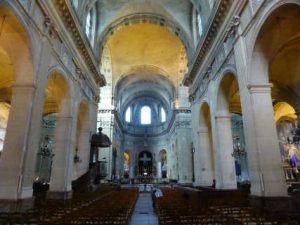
column 68, row 19
column 219, row 16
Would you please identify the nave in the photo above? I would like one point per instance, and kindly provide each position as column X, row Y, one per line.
column 113, row 204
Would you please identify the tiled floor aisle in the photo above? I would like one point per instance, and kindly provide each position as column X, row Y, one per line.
column 143, row 213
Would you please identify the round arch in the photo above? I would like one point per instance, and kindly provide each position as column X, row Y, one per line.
column 151, row 18
column 265, row 32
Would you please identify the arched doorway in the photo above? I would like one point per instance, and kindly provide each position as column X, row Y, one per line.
column 145, row 164
column 17, row 91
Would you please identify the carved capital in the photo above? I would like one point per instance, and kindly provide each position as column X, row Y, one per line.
column 191, row 98
column 233, row 26
column 79, row 73
column 50, row 27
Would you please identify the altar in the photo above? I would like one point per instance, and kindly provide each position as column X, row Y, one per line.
column 145, row 180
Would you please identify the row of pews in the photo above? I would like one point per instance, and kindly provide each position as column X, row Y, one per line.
column 231, row 207
column 109, row 206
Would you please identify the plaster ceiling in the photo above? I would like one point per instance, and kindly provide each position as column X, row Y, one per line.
column 177, row 11
column 283, row 109
column 148, row 45
column 284, row 71
column 137, row 86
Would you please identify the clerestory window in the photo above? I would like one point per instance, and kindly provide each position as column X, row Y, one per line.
column 128, row 115
column 145, row 115
column 162, row 115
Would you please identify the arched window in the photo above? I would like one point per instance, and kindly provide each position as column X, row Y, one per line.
column 162, row 115
column 128, row 115
column 199, row 24
column 145, row 115
column 88, row 25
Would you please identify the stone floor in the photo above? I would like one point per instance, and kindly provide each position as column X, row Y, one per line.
column 143, row 213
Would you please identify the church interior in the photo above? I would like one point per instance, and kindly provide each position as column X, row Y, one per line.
column 150, row 112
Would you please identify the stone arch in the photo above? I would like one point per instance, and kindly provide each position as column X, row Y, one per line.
column 284, row 110
column 15, row 29
column 274, row 46
column 264, row 32
column 227, row 86
column 58, row 101
column 225, row 167
column 204, row 154
column 17, row 90
column 57, row 70
column 152, row 18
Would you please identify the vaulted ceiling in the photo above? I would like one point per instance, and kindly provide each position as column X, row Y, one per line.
column 148, row 47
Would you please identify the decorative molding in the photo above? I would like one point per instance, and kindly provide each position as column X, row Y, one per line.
column 50, row 27
column 209, row 37
column 112, row 111
column 232, row 29
column 260, row 88
column 79, row 73
column 80, row 40
column 186, row 111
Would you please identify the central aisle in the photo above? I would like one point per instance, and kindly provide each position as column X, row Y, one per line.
column 143, row 213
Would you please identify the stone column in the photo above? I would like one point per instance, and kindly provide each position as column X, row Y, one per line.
column 204, row 173
column 15, row 145
column 184, row 151
column 227, row 177
column 159, row 175
column 267, row 177
column 60, row 182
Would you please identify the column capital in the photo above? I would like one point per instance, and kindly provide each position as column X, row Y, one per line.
column 260, row 88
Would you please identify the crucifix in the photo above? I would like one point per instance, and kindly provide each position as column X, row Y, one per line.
column 145, row 158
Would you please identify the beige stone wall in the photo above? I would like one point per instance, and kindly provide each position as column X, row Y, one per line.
column 44, row 56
